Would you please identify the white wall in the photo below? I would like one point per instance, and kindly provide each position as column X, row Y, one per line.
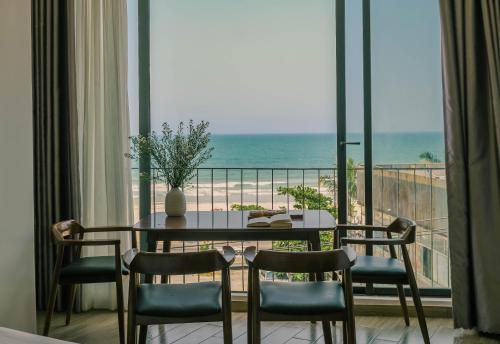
column 17, row 271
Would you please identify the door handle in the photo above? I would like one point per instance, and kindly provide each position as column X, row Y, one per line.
column 343, row 143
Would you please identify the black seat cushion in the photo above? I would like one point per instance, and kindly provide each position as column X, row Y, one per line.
column 302, row 298
column 179, row 300
column 92, row 269
column 375, row 268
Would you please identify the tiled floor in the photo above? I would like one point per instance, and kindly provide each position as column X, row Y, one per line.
column 100, row 327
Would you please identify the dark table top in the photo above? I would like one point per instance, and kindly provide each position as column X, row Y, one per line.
column 230, row 221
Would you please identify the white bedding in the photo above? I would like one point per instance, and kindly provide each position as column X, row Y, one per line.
column 9, row 336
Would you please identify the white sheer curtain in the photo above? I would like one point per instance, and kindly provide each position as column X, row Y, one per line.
column 101, row 60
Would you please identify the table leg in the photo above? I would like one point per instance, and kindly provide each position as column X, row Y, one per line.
column 133, row 236
column 315, row 244
column 312, row 277
column 336, row 238
column 166, row 249
column 336, row 245
column 151, row 248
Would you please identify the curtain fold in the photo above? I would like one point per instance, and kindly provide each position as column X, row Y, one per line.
column 56, row 183
column 81, row 129
column 102, row 106
column 471, row 86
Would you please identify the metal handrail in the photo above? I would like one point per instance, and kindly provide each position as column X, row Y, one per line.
column 207, row 178
column 310, row 168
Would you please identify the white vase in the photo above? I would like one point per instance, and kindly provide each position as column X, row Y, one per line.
column 175, row 202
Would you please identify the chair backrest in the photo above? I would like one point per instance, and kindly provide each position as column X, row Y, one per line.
column 67, row 230
column 405, row 227
column 178, row 263
column 295, row 262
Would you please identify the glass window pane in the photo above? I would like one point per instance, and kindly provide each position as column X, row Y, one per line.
column 408, row 141
column 263, row 74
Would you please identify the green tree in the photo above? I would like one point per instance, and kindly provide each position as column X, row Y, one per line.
column 206, row 246
column 306, row 197
column 352, row 187
column 243, row 207
column 429, row 157
column 303, row 197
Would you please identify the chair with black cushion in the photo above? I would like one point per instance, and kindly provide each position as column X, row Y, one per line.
column 151, row 304
column 389, row 270
column 318, row 300
column 82, row 270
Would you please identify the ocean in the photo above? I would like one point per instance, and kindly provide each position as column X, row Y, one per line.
column 240, row 170
column 319, row 150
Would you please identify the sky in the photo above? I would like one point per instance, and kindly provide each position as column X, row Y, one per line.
column 268, row 66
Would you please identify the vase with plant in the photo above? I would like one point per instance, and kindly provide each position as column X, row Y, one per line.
column 175, row 155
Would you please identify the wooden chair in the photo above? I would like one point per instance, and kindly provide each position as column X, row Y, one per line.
column 301, row 301
column 178, row 303
column 373, row 269
column 102, row 269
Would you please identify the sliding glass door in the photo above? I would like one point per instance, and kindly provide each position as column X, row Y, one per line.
column 390, row 131
column 409, row 176
column 263, row 73
column 337, row 100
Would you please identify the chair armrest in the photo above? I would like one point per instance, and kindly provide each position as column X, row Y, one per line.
column 129, row 256
column 95, row 242
column 250, row 253
column 351, row 254
column 361, row 228
column 108, row 229
column 229, row 255
column 374, row 241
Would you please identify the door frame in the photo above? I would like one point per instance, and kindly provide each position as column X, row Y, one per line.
column 342, row 142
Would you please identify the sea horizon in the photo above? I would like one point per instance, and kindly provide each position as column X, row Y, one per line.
column 246, row 165
column 319, row 150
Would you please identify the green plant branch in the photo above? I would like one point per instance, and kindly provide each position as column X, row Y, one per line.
column 177, row 155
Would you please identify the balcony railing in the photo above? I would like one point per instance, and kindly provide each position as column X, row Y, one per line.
column 414, row 191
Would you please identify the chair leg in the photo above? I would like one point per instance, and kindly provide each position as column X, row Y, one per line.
column 419, row 308
column 327, row 332
column 256, row 324
column 120, row 309
column 131, row 325
column 50, row 306
column 226, row 306
column 227, row 328
column 255, row 330
column 143, row 334
column 402, row 300
column 131, row 329
column 249, row 308
column 334, row 330
column 53, row 290
column 71, row 302
column 249, row 321
column 351, row 331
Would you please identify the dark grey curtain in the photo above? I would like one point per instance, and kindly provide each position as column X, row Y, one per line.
column 471, row 82
column 55, row 132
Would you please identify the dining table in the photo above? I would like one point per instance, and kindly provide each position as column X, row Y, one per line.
column 230, row 226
